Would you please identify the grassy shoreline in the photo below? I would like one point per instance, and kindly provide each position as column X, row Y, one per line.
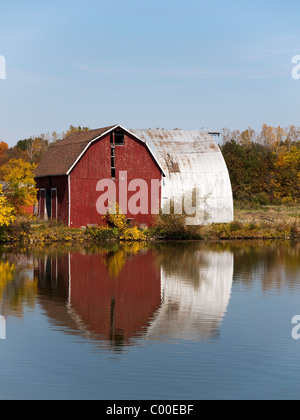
column 264, row 223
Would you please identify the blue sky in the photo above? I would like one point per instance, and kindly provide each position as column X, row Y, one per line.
column 147, row 63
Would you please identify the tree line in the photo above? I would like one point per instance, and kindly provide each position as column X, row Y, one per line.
column 264, row 166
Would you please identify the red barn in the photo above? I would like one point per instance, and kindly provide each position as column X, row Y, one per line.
column 142, row 170
column 68, row 176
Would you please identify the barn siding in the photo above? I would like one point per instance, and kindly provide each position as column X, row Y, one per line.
column 95, row 165
column 61, row 184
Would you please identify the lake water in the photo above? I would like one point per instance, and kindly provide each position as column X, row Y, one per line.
column 177, row 321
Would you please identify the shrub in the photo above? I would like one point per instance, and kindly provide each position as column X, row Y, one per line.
column 133, row 234
column 115, row 219
column 18, row 231
column 287, row 201
column 101, row 233
column 235, row 226
column 261, row 198
column 172, row 226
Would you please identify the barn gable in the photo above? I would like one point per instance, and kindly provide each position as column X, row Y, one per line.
column 61, row 157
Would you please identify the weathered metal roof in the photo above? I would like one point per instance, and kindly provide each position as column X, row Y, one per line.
column 186, row 148
column 192, row 161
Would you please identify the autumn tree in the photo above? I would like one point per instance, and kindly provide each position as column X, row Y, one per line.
column 272, row 137
column 6, row 210
column 292, row 137
column 248, row 136
column 288, row 175
column 21, row 190
column 229, row 135
column 35, row 147
column 245, row 137
column 3, row 148
column 250, row 167
column 73, row 129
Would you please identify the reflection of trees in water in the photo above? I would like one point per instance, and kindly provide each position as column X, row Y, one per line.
column 274, row 264
column 18, row 288
column 187, row 258
column 115, row 258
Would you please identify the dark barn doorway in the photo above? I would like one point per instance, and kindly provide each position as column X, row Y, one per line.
column 49, row 203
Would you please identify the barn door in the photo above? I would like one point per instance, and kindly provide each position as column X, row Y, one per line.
column 42, row 197
column 54, row 203
column 48, row 204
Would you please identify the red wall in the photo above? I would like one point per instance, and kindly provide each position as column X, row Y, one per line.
column 95, row 165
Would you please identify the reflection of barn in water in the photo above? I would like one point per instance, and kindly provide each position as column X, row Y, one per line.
column 109, row 294
column 196, row 285
column 117, row 297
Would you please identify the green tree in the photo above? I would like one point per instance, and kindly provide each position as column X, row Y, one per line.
column 251, row 168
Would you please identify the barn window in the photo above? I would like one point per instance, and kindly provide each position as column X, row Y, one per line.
column 119, row 139
column 113, row 162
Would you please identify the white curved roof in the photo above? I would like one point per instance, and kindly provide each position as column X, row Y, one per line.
column 185, row 145
column 192, row 160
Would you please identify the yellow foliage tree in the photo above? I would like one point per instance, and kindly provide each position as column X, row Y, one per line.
column 73, row 129
column 272, row 137
column 21, row 188
column 115, row 218
column 288, row 174
column 6, row 210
